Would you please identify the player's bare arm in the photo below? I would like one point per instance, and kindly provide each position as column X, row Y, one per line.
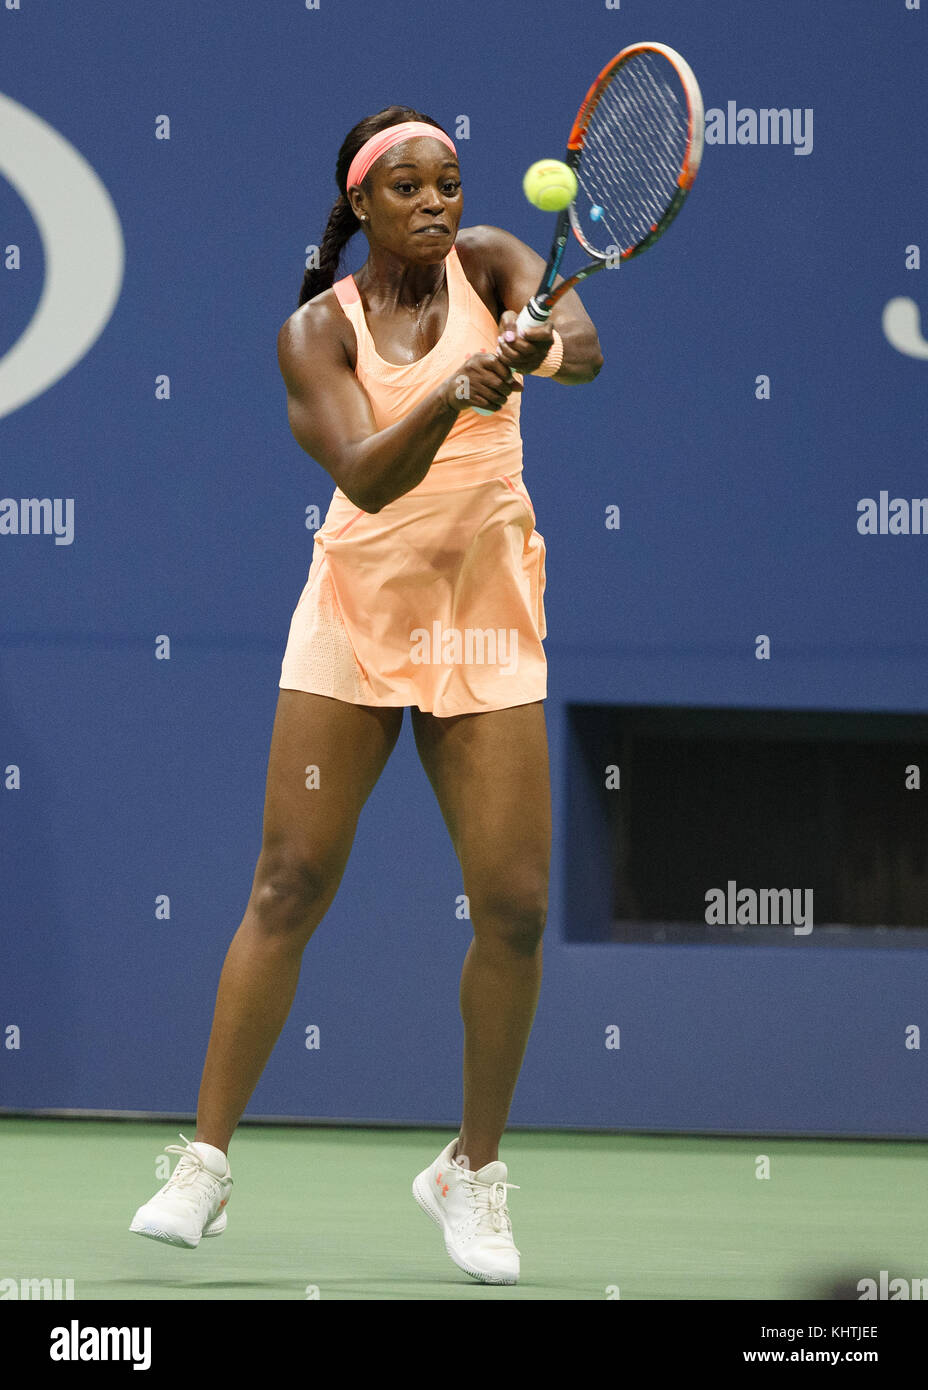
column 331, row 418
column 513, row 270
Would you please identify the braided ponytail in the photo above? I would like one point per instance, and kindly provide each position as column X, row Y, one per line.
column 340, row 228
column 342, row 223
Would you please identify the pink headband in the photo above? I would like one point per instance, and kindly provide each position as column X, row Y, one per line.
column 385, row 140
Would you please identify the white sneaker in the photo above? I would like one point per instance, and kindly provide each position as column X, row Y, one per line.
column 471, row 1210
column 192, row 1202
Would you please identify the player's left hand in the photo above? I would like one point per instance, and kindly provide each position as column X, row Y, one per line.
column 525, row 353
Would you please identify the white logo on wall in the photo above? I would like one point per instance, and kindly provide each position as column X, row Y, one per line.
column 84, row 253
column 903, row 328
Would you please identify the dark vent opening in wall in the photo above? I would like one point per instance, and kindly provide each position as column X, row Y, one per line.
column 827, row 806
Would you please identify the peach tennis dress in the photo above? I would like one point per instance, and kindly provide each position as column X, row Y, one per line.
column 437, row 600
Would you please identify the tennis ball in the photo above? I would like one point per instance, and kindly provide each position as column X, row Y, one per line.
column 550, row 185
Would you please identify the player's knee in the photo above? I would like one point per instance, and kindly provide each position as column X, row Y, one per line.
column 292, row 889
column 512, row 916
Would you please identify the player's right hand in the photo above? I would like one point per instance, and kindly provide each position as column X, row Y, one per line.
column 482, row 381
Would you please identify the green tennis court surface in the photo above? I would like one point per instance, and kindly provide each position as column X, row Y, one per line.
column 651, row 1217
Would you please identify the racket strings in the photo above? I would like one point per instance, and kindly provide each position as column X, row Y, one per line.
column 634, row 149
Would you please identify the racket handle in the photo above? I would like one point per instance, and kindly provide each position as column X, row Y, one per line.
column 533, row 313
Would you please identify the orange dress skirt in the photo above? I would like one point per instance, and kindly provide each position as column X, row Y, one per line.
column 437, row 600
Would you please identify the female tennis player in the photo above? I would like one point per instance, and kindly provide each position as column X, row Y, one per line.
column 425, row 590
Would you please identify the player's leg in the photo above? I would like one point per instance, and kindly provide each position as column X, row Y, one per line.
column 307, row 837
column 490, row 774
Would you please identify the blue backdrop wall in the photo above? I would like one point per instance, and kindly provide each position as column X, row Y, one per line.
column 126, row 777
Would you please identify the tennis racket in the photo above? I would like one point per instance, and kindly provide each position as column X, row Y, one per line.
column 635, row 148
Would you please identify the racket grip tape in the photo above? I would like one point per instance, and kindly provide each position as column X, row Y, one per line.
column 533, row 313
